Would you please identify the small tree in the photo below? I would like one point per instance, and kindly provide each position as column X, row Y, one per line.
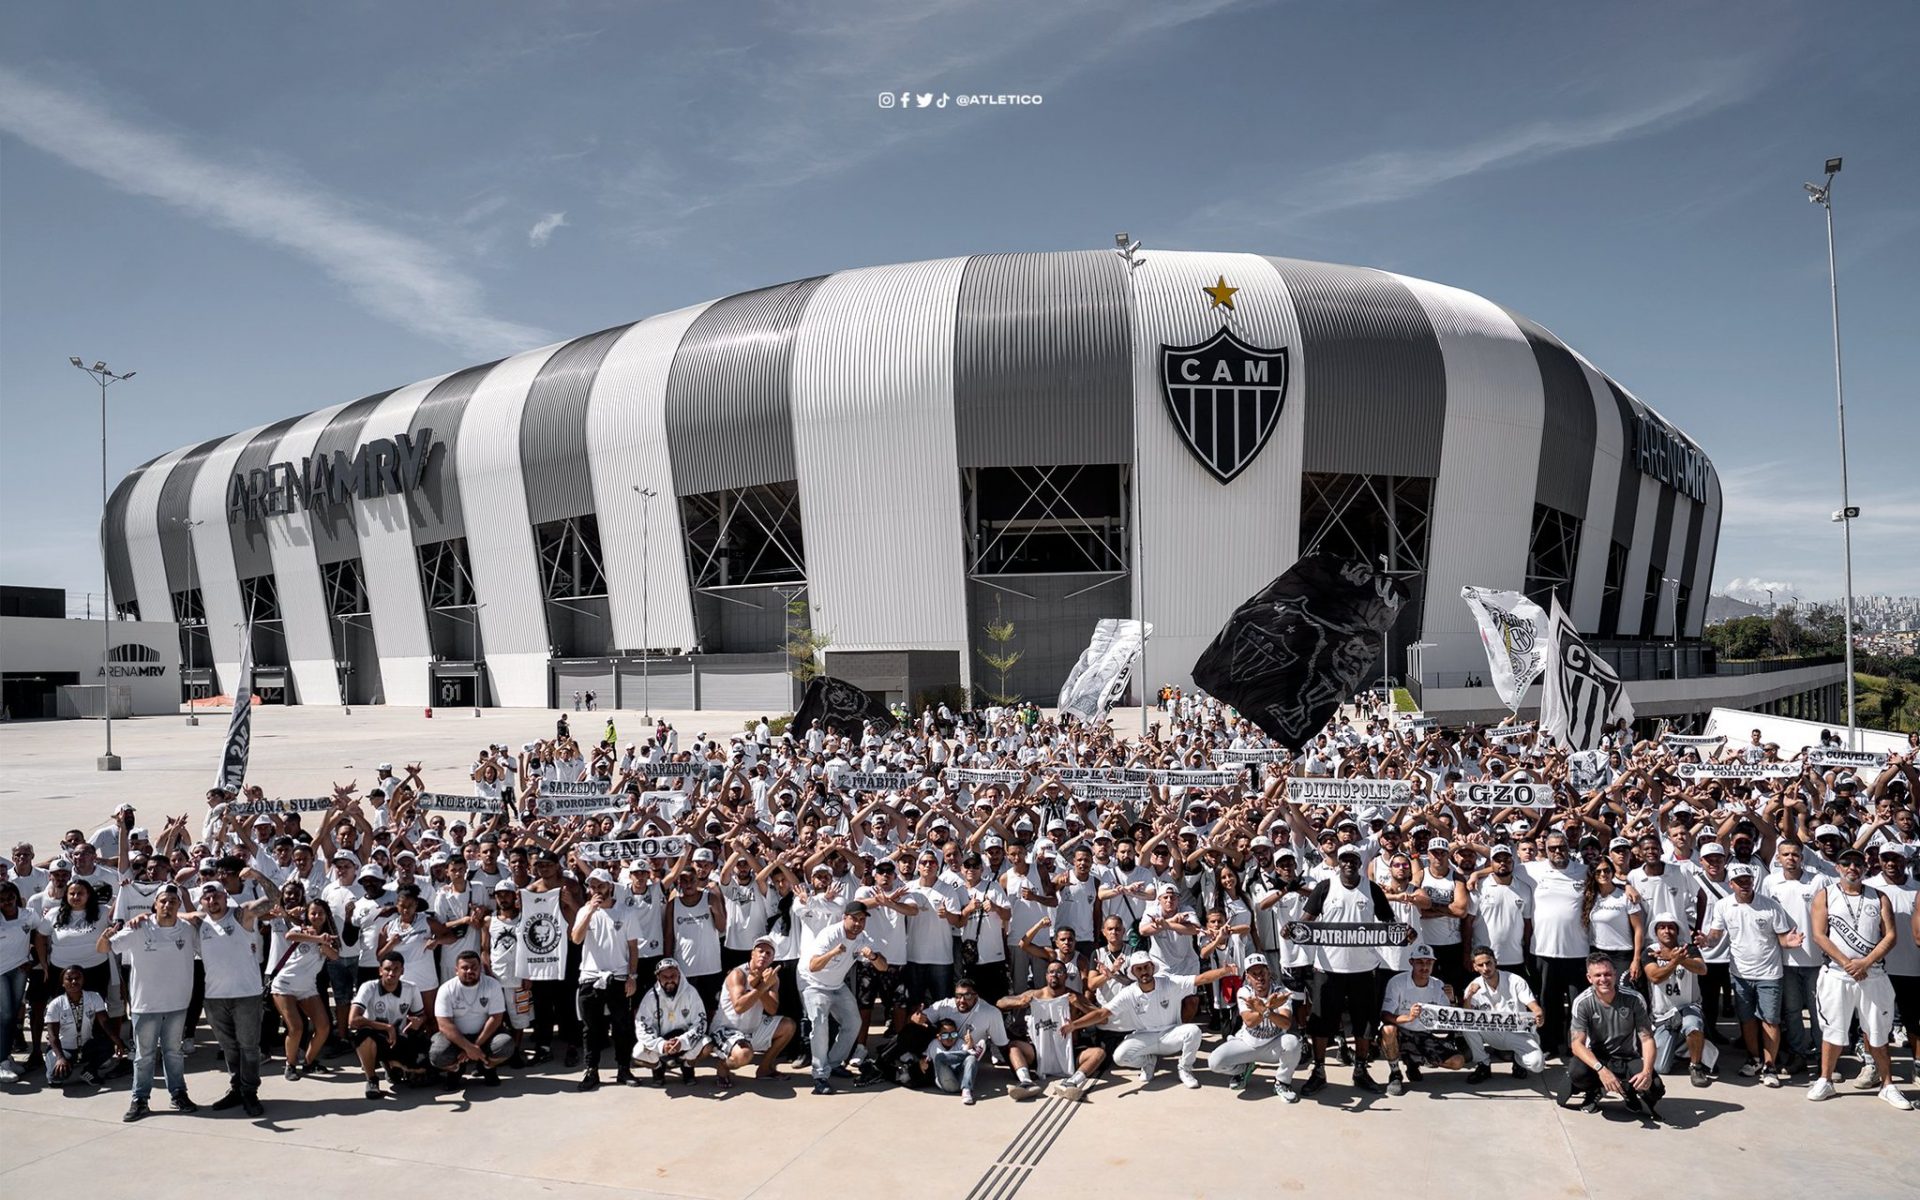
column 1002, row 656
column 804, row 643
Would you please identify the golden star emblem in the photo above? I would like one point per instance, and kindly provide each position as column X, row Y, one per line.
column 1221, row 293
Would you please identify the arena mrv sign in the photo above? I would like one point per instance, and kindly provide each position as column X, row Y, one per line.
column 382, row 467
column 1660, row 452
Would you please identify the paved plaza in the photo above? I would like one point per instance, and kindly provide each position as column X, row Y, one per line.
column 536, row 1136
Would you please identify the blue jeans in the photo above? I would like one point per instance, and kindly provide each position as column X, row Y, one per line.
column 823, row 1008
column 1670, row 1037
column 13, row 997
column 1757, row 999
column 156, row 1036
column 953, row 1069
column 1797, row 994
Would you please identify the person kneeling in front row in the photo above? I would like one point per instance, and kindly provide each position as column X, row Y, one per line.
column 471, row 1011
column 1611, row 1044
column 1265, row 1034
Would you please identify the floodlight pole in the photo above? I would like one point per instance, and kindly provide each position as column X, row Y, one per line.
column 193, row 586
column 1129, row 251
column 1822, row 194
column 646, row 628
column 1674, row 644
column 108, row 761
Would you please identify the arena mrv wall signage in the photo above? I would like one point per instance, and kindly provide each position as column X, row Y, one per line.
column 382, row 467
column 1660, row 452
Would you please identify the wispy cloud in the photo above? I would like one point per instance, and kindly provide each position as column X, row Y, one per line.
column 1389, row 176
column 542, row 230
column 393, row 274
column 817, row 95
column 1777, row 524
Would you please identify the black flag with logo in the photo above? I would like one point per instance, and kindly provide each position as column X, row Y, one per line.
column 1306, row 642
column 840, row 708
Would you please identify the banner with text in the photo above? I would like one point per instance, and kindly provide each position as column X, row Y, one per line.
column 1393, row 792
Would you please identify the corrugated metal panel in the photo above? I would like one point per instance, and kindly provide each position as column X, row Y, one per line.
column 388, row 565
column 1673, row 554
column 595, row 676
column 176, row 497
column 1603, row 490
column 1690, row 563
column 434, row 510
column 1040, row 361
column 743, row 689
column 142, row 528
column 335, row 537
column 113, row 539
column 1658, row 546
column 251, row 557
column 1489, row 460
column 641, row 547
column 553, row 433
column 213, row 550
column 665, row 686
column 873, row 422
column 729, row 413
column 1566, row 443
column 296, row 572
column 1378, row 402
column 506, row 568
column 1191, row 585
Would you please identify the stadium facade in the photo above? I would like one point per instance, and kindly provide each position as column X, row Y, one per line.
column 896, row 457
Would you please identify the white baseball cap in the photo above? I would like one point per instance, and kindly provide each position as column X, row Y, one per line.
column 1420, row 950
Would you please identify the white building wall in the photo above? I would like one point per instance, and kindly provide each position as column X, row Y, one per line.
column 1603, row 491
column 143, row 539
column 876, row 452
column 213, row 550
column 1248, row 530
column 1489, row 464
column 627, row 448
column 389, row 567
column 506, row 565
column 296, row 573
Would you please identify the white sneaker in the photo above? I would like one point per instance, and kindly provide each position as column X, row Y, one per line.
column 8, row 1074
column 1869, row 1079
column 1146, row 1073
column 1892, row 1096
column 1187, row 1079
column 1822, row 1089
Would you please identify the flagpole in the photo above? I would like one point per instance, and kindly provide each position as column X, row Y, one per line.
column 1129, row 251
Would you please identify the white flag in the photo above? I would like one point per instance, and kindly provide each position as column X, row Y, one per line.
column 233, row 755
column 1581, row 695
column 1099, row 679
column 1514, row 632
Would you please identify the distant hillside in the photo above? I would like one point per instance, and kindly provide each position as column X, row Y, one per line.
column 1726, row 608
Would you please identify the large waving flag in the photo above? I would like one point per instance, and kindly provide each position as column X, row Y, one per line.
column 1514, row 631
column 1099, row 679
column 1581, row 696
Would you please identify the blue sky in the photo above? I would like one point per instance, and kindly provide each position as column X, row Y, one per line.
column 269, row 209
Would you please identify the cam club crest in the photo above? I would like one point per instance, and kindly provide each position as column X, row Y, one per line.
column 1225, row 398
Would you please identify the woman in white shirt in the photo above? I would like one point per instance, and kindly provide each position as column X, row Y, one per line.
column 307, row 940
column 415, row 935
column 1614, row 919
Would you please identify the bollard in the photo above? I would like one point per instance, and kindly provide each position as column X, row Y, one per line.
column 429, row 712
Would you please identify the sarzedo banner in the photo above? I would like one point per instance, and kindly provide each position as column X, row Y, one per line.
column 1476, row 1020
column 585, row 787
column 1874, row 759
column 1348, row 933
column 1350, row 791
column 671, row 846
column 1737, row 770
column 1504, row 795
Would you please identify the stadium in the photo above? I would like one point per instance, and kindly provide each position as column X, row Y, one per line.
column 897, row 458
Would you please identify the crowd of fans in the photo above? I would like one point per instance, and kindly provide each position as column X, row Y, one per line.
column 938, row 907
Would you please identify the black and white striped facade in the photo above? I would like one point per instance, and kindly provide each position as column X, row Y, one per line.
column 927, row 425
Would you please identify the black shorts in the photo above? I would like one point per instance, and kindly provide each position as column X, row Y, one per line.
column 1355, row 996
column 873, row 986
